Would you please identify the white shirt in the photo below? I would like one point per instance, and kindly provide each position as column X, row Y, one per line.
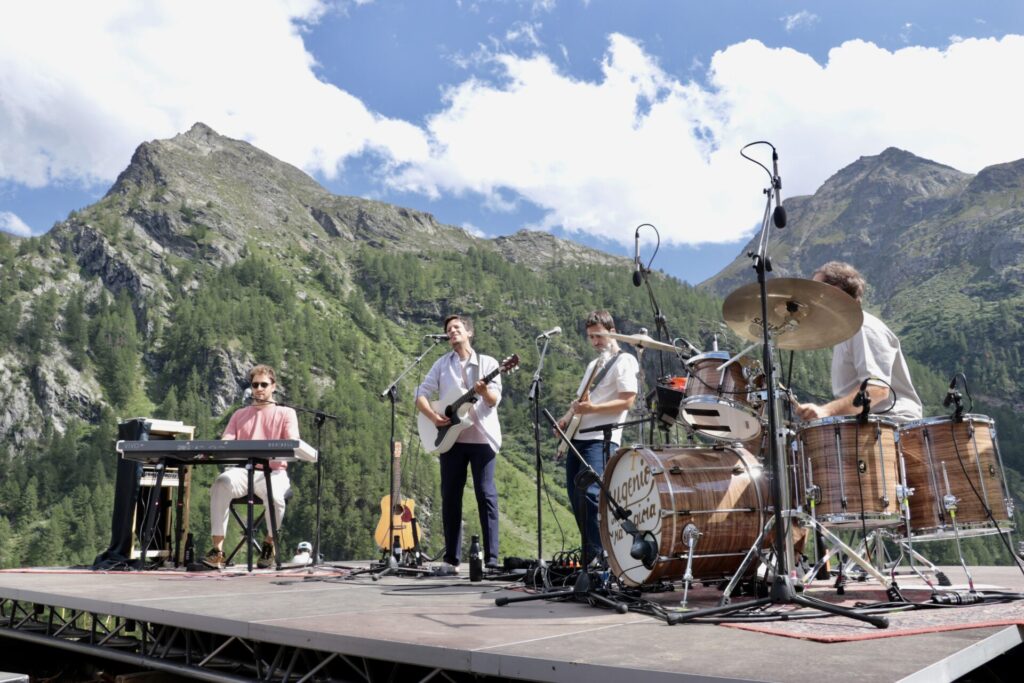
column 875, row 352
column 447, row 381
column 621, row 378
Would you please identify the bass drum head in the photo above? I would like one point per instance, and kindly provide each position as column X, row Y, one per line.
column 718, row 492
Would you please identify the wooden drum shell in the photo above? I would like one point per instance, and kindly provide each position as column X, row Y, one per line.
column 929, row 443
column 848, row 460
column 719, row 490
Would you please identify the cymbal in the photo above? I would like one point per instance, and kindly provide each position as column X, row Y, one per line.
column 641, row 341
column 802, row 314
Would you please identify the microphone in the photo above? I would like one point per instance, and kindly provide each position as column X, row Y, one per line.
column 644, row 548
column 863, row 401
column 247, row 396
column 951, row 394
column 779, row 215
column 638, row 275
column 436, row 337
column 550, row 333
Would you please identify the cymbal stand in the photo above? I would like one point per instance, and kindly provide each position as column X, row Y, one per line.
column 782, row 591
column 660, row 321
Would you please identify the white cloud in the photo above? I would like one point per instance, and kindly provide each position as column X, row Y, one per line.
column 801, row 19
column 11, row 223
column 81, row 84
column 473, row 230
column 639, row 145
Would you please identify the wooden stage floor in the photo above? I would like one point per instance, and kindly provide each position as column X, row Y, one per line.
column 452, row 624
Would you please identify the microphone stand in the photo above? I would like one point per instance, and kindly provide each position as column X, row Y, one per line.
column 660, row 321
column 589, row 587
column 535, row 399
column 391, row 393
column 319, row 418
column 781, row 591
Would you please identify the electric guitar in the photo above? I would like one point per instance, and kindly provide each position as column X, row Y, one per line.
column 457, row 408
column 574, row 422
column 396, row 519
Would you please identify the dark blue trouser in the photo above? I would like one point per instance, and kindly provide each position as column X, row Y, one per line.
column 481, row 459
column 585, row 509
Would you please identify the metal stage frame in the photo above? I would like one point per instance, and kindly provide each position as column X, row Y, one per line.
column 306, row 626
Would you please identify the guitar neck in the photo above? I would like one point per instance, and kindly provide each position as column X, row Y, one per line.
column 471, row 394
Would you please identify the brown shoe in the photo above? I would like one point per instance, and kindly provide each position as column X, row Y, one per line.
column 214, row 559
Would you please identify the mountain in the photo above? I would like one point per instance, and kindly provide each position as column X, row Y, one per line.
column 208, row 255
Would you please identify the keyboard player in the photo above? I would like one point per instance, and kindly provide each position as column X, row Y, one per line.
column 264, row 419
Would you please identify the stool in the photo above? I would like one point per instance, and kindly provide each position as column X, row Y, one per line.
column 248, row 534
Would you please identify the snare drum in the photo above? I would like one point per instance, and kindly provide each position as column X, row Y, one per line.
column 852, row 468
column 719, row 404
column 959, row 458
column 719, row 491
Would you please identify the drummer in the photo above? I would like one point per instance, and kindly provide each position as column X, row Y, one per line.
column 607, row 400
column 872, row 354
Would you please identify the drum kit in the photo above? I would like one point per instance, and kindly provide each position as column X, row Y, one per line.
column 708, row 508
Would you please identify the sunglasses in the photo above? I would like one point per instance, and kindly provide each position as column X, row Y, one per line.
column 260, row 385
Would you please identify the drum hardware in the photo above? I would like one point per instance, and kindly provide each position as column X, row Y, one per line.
column 761, row 312
column 690, row 536
column 951, row 504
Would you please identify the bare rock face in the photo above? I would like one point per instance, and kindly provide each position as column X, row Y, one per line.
column 50, row 393
column 541, row 250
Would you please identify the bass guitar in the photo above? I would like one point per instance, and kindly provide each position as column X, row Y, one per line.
column 458, row 409
column 396, row 519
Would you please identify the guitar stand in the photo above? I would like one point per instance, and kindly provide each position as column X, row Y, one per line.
column 590, row 586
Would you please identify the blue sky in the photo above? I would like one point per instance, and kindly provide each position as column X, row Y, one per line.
column 585, row 118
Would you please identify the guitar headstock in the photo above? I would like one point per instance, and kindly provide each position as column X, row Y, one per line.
column 510, row 364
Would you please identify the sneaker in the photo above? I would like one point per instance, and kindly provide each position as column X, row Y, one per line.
column 492, row 564
column 266, row 560
column 214, row 559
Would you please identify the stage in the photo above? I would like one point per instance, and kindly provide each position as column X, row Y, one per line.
column 234, row 626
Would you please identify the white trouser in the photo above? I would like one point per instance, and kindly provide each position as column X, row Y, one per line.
column 234, row 483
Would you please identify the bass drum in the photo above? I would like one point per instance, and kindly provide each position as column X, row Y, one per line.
column 719, row 491
column 962, row 458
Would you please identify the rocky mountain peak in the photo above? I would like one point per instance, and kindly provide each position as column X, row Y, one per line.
column 897, row 174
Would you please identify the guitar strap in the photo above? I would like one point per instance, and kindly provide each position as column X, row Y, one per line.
column 604, row 371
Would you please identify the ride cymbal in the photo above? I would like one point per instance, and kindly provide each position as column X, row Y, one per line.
column 802, row 314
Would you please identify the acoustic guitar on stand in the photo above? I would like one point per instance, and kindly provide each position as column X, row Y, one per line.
column 396, row 519
column 457, row 408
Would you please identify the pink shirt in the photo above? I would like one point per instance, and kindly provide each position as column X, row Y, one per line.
column 269, row 422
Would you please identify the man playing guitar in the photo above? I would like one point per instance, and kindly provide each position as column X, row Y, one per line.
column 476, row 446
column 604, row 397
